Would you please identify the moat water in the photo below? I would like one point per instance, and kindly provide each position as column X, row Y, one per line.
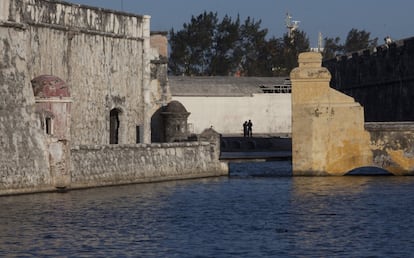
column 237, row 216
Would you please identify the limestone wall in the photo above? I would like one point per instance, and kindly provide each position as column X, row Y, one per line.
column 107, row 63
column 23, row 150
column 328, row 135
column 66, row 16
column 270, row 113
column 115, row 164
column 392, row 145
column 99, row 53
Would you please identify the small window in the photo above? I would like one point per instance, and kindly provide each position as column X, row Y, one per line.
column 114, row 126
column 48, row 125
column 138, row 133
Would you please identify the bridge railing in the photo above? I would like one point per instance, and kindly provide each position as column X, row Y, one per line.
column 286, row 87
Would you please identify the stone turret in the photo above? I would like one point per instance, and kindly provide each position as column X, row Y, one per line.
column 175, row 121
column 53, row 106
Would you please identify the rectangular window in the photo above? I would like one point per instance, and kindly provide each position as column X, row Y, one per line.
column 138, row 134
column 48, row 125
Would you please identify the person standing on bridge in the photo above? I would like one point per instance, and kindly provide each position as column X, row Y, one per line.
column 250, row 128
column 245, row 130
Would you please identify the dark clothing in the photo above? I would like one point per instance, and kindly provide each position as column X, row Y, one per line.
column 245, row 129
column 249, row 128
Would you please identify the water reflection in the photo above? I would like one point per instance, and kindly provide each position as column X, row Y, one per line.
column 240, row 216
column 368, row 214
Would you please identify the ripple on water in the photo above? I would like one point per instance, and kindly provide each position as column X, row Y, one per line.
column 238, row 216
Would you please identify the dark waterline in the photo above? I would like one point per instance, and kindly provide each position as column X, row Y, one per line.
column 237, row 216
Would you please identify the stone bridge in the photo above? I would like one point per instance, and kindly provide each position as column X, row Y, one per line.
column 329, row 133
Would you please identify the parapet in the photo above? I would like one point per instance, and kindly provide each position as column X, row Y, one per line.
column 67, row 16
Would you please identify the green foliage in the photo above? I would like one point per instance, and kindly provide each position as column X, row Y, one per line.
column 293, row 47
column 191, row 48
column 332, row 48
column 356, row 40
column 224, row 55
column 359, row 39
column 251, row 46
column 207, row 46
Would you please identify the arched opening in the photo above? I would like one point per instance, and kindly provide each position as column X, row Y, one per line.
column 369, row 171
column 114, row 126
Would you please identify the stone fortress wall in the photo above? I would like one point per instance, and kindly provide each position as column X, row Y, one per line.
column 381, row 80
column 102, row 165
column 329, row 133
column 24, row 151
column 107, row 62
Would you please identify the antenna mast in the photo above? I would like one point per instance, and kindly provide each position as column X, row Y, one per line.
column 291, row 25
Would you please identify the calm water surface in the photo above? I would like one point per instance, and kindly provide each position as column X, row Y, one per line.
column 237, row 216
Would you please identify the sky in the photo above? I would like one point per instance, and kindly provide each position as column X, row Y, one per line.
column 332, row 18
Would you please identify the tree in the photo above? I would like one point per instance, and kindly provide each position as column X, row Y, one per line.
column 191, row 50
column 293, row 46
column 358, row 40
column 206, row 46
column 250, row 47
column 332, row 48
column 275, row 48
column 224, row 61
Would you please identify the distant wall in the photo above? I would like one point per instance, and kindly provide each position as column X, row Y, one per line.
column 124, row 164
column 270, row 113
column 381, row 81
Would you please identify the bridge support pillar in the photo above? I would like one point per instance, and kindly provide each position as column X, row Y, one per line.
column 328, row 135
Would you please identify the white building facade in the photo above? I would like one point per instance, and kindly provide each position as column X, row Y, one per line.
column 225, row 103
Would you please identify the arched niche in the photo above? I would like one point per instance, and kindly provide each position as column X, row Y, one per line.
column 114, row 125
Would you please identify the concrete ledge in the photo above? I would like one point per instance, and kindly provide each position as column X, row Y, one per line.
column 140, row 145
column 29, row 190
column 389, row 126
column 77, row 186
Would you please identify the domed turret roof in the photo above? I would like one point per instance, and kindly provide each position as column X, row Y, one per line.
column 45, row 86
column 175, row 107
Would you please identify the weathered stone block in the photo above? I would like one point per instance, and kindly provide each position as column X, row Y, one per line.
column 328, row 136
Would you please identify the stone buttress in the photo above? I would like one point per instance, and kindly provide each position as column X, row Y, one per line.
column 328, row 135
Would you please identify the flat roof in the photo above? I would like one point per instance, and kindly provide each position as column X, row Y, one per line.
column 222, row 85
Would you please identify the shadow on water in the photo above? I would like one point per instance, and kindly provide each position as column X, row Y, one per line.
column 369, row 171
column 284, row 168
column 261, row 169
